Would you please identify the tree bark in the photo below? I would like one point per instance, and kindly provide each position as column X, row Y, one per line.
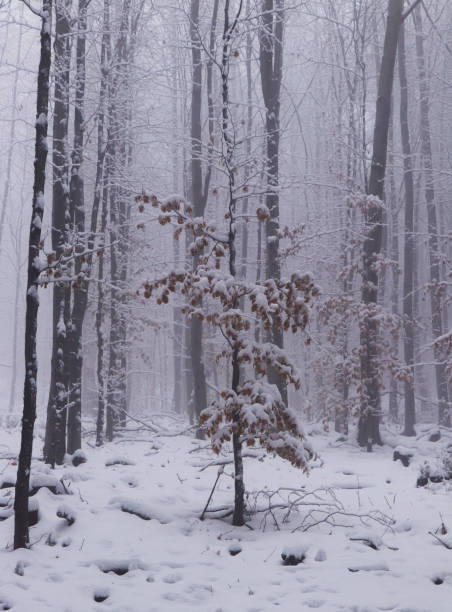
column 117, row 163
column 77, row 205
column 249, row 127
column 408, row 286
column 391, row 192
column 21, row 534
column 100, row 422
column 368, row 426
column 55, row 442
column 432, row 224
column 271, row 65
column 198, row 203
column 238, row 518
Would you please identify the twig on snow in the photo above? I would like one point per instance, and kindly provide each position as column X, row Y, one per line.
column 220, row 471
column 441, row 541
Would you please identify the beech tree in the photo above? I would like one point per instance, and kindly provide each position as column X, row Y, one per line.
column 250, row 410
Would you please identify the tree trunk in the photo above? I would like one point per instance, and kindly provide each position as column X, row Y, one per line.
column 101, row 194
column 249, row 127
column 114, row 356
column 99, row 320
column 197, row 199
column 77, row 205
column 229, row 144
column 393, row 384
column 21, row 536
column 368, row 426
column 408, row 286
column 271, row 58
column 432, row 229
column 18, row 242
column 55, row 442
column 178, row 326
column 117, row 164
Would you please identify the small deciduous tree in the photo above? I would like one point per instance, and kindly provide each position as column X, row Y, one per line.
column 249, row 410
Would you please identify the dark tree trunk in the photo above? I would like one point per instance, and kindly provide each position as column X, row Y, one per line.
column 178, row 345
column 187, row 362
column 99, row 320
column 238, row 518
column 114, row 355
column 432, row 223
column 80, row 299
column 271, row 58
column 249, row 127
column 259, row 258
column 178, row 322
column 198, row 203
column 188, row 374
column 55, row 442
column 408, row 286
column 101, row 194
column 21, row 536
column 368, row 427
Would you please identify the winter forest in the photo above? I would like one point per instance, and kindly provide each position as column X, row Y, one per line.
column 225, row 268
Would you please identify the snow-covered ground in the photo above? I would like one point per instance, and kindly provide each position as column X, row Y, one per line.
column 381, row 557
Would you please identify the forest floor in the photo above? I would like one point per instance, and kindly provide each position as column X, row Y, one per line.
column 136, row 542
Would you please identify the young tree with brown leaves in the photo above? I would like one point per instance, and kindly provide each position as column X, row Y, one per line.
column 249, row 410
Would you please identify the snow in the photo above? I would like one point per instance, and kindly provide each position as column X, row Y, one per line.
column 404, row 450
column 33, row 293
column 40, row 201
column 37, row 221
column 379, row 556
column 41, row 120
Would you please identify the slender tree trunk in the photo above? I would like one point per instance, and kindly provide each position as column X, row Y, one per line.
column 271, row 63
column 419, row 336
column 432, row 223
column 187, row 363
column 17, row 308
column 249, row 127
column 99, row 320
column 393, row 384
column 239, row 487
column 55, row 442
column 178, row 338
column 368, row 427
column 80, row 299
column 101, row 194
column 408, row 286
column 199, row 376
column 17, row 292
column 257, row 326
column 114, row 356
column 21, row 535
column 117, row 164
column 178, row 344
